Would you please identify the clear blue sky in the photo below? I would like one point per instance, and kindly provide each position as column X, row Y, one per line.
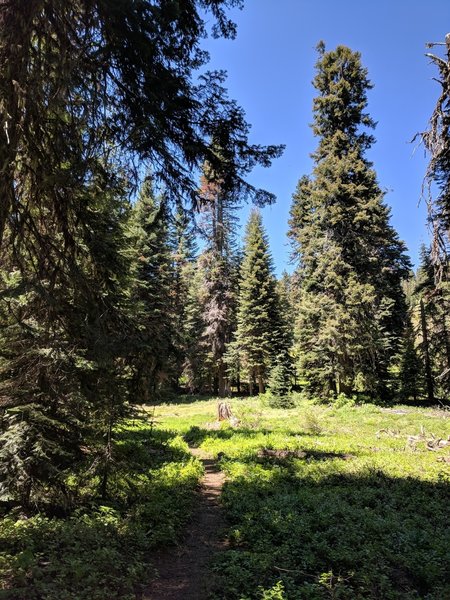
column 270, row 68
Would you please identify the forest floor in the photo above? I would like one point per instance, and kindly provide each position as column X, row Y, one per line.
column 182, row 572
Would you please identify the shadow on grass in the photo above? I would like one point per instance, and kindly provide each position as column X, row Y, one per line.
column 341, row 536
column 195, row 436
column 147, row 447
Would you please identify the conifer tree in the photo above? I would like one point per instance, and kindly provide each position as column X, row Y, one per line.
column 68, row 307
column 183, row 254
column 87, row 90
column 216, row 263
column 350, row 262
column 433, row 300
column 411, row 371
column 437, row 142
column 257, row 336
column 196, row 360
column 128, row 71
column 154, row 279
column 281, row 375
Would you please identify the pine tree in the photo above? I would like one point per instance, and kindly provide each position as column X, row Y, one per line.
column 216, row 263
column 436, row 301
column 411, row 371
column 62, row 348
column 433, row 299
column 281, row 375
column 195, row 367
column 154, row 279
column 184, row 254
column 257, row 336
column 350, row 262
column 127, row 71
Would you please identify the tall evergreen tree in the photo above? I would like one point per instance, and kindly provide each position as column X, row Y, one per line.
column 350, row 262
column 216, row 263
column 184, row 254
column 437, row 141
column 154, row 279
column 127, row 70
column 433, row 299
column 196, row 370
column 69, row 310
column 257, row 338
column 411, row 369
column 282, row 372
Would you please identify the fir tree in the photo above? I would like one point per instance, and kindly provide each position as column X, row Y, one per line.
column 282, row 372
column 257, row 336
column 184, row 253
column 433, row 299
column 350, row 262
column 216, row 263
column 126, row 71
column 84, row 99
column 154, row 279
column 411, row 380
column 70, row 311
column 195, row 366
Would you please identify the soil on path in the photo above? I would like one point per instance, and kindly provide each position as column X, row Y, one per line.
column 183, row 570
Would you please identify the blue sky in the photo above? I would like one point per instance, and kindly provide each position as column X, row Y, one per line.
column 270, row 67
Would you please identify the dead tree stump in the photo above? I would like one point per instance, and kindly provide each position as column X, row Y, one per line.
column 224, row 411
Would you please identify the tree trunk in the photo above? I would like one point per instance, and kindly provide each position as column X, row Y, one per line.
column 222, row 380
column 108, row 450
column 260, row 381
column 446, row 340
column 342, row 388
column 16, row 31
column 426, row 352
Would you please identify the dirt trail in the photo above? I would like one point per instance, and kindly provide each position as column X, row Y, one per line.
column 183, row 570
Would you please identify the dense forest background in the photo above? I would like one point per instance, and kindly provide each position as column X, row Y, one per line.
column 123, row 280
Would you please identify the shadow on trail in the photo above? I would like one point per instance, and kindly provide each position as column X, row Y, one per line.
column 337, row 536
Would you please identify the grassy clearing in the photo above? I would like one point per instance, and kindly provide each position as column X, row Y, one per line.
column 101, row 551
column 363, row 516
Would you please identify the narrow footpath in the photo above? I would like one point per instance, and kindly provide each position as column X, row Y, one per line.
column 183, row 570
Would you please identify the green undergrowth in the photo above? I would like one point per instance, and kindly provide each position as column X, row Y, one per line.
column 101, row 551
column 362, row 515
